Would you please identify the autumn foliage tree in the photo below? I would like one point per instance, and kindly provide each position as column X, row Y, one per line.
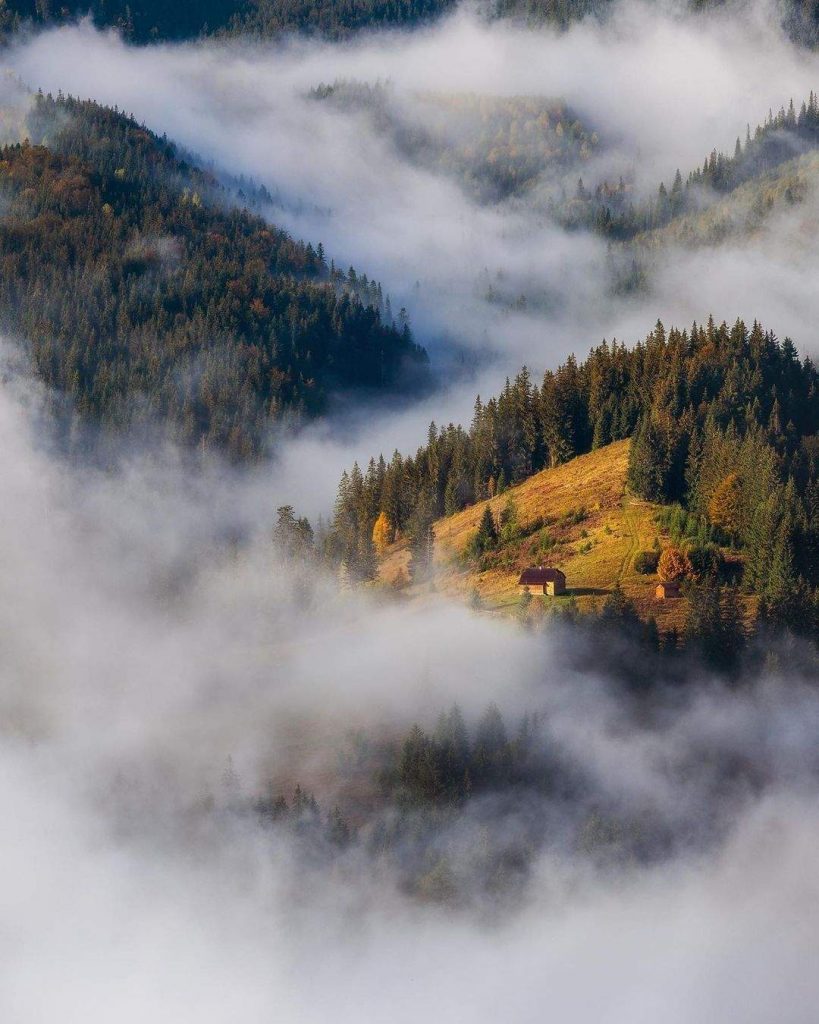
column 725, row 506
column 673, row 565
column 383, row 534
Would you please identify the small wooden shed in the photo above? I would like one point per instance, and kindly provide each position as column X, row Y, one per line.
column 542, row 580
column 667, row 589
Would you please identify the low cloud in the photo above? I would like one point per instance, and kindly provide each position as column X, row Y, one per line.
column 139, row 651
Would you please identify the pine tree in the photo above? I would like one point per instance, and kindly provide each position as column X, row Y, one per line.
column 492, row 755
column 292, row 536
column 452, row 744
column 732, row 626
column 422, row 538
column 703, row 622
column 418, row 770
column 338, row 831
column 366, row 562
column 487, row 536
column 648, row 463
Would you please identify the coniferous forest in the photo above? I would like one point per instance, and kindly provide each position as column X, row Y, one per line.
column 147, row 295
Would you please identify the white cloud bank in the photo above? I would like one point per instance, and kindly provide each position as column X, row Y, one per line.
column 136, row 653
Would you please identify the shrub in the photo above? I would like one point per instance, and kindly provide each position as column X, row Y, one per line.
column 574, row 516
column 542, row 544
column 645, row 562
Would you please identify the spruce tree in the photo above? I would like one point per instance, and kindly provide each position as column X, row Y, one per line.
column 487, row 536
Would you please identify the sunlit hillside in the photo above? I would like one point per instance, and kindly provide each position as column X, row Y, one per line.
column 578, row 517
column 746, row 210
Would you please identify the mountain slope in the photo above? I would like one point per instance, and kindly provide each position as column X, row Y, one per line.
column 583, row 509
column 493, row 147
column 579, row 517
column 148, row 298
column 614, row 211
column 718, row 435
column 743, row 212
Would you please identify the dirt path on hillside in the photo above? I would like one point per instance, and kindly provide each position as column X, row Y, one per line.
column 630, row 524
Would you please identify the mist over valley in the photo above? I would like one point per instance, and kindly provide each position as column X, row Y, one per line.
column 409, row 535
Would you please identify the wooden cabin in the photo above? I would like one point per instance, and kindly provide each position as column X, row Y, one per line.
column 667, row 589
column 543, row 581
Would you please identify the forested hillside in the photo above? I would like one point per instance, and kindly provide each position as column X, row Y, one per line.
column 494, row 147
column 333, row 19
column 497, row 147
column 142, row 21
column 151, row 20
column 723, row 424
column 148, row 297
column 613, row 210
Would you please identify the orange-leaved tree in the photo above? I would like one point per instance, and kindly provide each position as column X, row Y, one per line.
column 383, row 534
column 673, row 565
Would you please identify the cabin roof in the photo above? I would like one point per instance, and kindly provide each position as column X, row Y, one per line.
column 539, row 575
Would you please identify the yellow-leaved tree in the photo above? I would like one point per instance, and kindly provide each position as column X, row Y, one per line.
column 383, row 534
column 725, row 506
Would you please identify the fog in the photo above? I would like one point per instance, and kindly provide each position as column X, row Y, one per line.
column 149, row 630
column 139, row 651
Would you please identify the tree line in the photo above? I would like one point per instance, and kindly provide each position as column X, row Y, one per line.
column 611, row 209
